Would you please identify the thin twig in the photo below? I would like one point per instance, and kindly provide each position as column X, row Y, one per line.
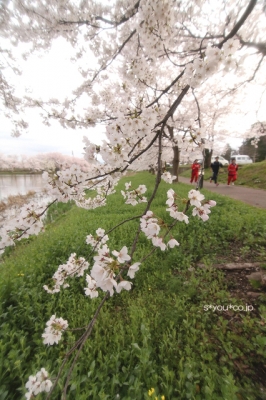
column 85, row 337
column 80, row 341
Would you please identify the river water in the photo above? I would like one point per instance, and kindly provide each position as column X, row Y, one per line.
column 14, row 184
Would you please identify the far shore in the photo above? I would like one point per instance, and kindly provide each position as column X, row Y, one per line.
column 16, row 200
column 20, row 172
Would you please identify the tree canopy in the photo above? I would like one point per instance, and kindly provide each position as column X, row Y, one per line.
column 145, row 65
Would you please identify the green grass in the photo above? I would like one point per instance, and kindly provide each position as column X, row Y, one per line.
column 155, row 336
column 251, row 175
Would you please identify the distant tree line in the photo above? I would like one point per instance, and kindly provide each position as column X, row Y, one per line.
column 254, row 146
column 256, row 152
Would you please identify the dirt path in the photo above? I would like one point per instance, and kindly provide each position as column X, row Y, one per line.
column 254, row 197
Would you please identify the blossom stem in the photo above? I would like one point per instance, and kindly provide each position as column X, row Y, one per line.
column 158, row 180
column 80, row 342
column 85, row 336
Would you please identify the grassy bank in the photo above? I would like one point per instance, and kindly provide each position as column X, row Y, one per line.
column 251, row 175
column 16, row 201
column 158, row 334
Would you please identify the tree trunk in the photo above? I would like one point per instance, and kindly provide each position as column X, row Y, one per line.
column 176, row 157
column 208, row 157
column 176, row 160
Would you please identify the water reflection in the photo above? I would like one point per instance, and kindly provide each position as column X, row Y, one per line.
column 14, row 184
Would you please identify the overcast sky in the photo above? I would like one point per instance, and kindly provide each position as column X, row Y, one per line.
column 47, row 140
column 51, row 76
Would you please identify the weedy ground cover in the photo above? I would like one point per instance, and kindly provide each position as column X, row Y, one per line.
column 157, row 339
column 251, row 175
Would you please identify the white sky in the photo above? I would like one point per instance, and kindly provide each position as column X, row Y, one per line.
column 51, row 76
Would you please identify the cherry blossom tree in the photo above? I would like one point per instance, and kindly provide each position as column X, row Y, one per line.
column 153, row 62
column 41, row 162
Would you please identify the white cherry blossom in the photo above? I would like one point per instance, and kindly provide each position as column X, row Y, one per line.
column 122, row 255
column 126, row 285
column 38, row 383
column 167, row 177
column 195, row 197
column 90, row 290
column 133, row 269
column 172, row 243
column 54, row 329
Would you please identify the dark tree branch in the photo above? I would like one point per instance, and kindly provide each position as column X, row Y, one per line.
column 239, row 23
column 261, row 47
column 198, row 107
column 246, row 81
column 166, row 89
column 158, row 180
column 113, row 58
column 174, row 105
column 125, row 18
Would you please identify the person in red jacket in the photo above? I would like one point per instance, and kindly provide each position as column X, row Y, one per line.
column 232, row 172
column 195, row 171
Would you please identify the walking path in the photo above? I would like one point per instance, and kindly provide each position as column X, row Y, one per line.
column 254, row 197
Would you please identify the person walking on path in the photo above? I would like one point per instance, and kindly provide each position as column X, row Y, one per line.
column 195, row 171
column 215, row 166
column 232, row 172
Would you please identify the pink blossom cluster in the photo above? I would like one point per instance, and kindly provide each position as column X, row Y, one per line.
column 104, row 273
column 167, row 177
column 151, row 228
column 71, row 184
column 54, row 329
column 126, row 137
column 74, row 267
column 201, row 209
column 38, row 383
column 28, row 222
column 99, row 240
column 201, row 69
column 173, row 207
column 134, row 196
column 154, row 38
column 107, row 269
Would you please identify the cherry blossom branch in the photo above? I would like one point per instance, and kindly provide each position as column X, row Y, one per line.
column 143, row 151
column 37, row 217
column 157, row 183
column 123, row 222
column 167, row 232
